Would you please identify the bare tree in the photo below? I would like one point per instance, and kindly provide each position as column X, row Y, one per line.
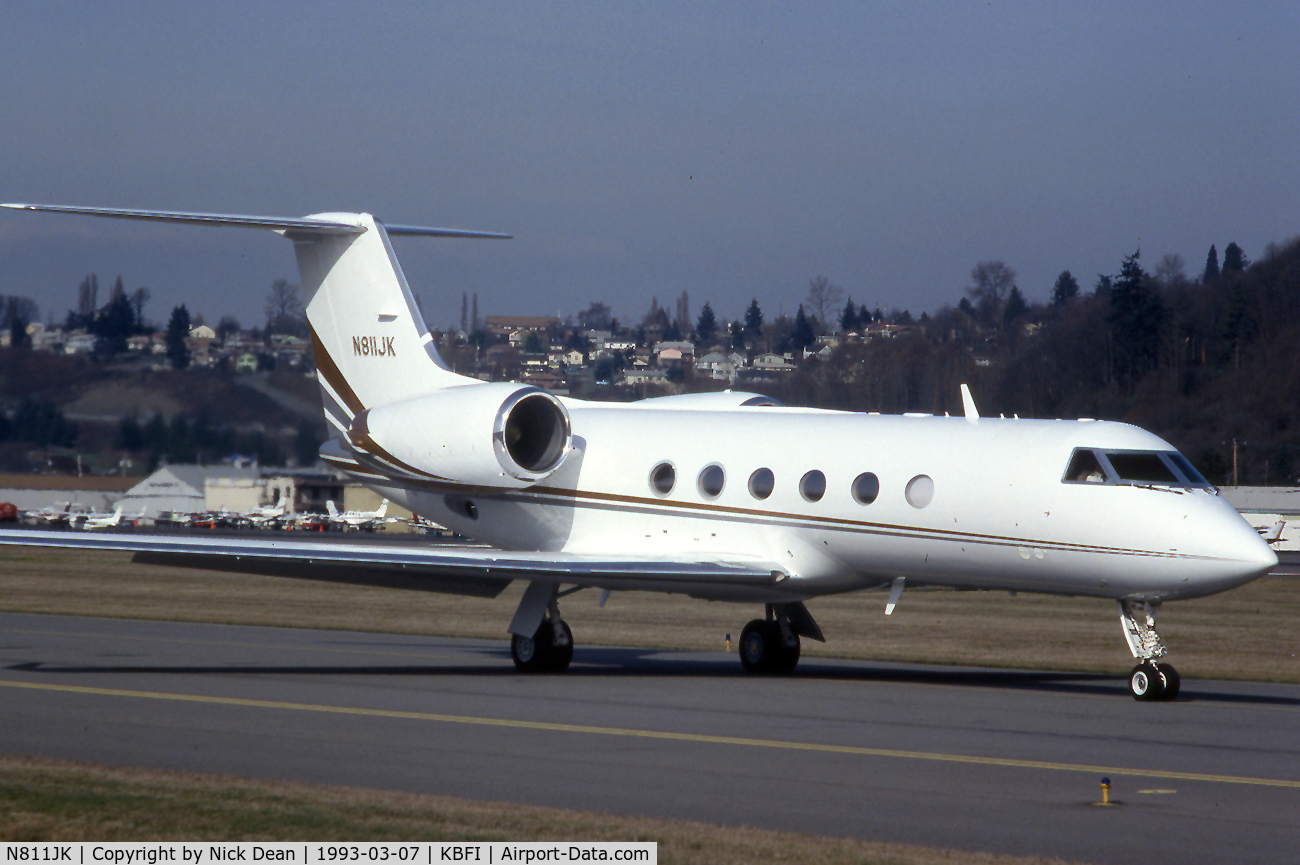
column 824, row 298
column 139, row 298
column 87, row 296
column 596, row 317
column 683, row 317
column 1170, row 270
column 990, row 282
column 284, row 309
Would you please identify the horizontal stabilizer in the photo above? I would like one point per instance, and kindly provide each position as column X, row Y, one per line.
column 345, row 223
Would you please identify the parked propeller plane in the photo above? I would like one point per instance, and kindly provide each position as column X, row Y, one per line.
column 723, row 496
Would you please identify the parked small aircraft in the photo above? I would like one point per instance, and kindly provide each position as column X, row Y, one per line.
column 268, row 515
column 723, row 496
column 1272, row 534
column 103, row 521
column 366, row 521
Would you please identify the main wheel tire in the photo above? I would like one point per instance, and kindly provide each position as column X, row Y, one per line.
column 1145, row 682
column 563, row 654
column 1172, row 681
column 530, row 654
column 787, row 657
column 756, row 647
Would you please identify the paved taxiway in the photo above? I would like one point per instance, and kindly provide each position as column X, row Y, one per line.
column 1004, row 761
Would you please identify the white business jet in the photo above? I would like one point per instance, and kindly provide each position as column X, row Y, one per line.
column 722, row 496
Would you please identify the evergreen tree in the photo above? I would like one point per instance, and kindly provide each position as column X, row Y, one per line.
column 706, row 325
column 1015, row 307
column 804, row 335
column 1134, row 316
column 1211, row 265
column 849, row 317
column 1065, row 290
column 129, row 435
column 737, row 335
column 114, row 324
column 754, row 320
column 178, row 353
column 1234, row 260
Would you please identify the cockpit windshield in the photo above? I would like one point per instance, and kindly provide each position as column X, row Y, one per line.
column 1164, row 468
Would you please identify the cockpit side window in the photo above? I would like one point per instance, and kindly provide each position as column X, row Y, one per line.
column 1085, row 468
column 1189, row 471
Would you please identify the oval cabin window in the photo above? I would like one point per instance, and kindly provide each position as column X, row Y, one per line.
column 662, row 479
column 920, row 490
column 866, row 487
column 812, row 486
column 711, row 480
column 761, row 483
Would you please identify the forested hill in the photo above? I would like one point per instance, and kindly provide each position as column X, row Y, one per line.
column 1200, row 362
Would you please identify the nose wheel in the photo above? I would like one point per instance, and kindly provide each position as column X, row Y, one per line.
column 1151, row 679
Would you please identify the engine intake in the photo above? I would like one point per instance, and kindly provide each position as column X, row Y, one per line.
column 482, row 435
column 534, row 431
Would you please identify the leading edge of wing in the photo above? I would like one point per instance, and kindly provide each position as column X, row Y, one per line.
column 298, row 558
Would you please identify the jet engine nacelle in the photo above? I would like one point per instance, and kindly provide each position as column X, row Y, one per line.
column 481, row 435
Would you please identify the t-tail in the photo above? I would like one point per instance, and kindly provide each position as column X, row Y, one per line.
column 370, row 340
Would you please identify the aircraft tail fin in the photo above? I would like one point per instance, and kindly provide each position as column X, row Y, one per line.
column 383, row 509
column 371, row 343
column 330, row 509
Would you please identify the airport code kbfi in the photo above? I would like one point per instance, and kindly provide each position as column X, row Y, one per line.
column 494, row 853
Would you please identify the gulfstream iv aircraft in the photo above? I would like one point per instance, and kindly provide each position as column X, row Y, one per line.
column 723, row 496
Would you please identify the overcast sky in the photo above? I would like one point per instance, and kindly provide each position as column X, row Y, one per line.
column 729, row 150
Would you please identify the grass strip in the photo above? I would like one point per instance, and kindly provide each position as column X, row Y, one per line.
column 56, row 800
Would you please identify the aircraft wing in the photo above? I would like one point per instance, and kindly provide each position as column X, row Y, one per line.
column 479, row 571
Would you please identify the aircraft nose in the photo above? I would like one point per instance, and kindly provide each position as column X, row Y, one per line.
column 1251, row 554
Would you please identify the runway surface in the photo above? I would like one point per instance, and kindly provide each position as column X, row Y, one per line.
column 1001, row 761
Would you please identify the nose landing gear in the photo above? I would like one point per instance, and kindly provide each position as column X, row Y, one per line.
column 1150, row 679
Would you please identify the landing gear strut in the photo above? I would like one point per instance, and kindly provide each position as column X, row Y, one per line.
column 771, row 645
column 1150, row 679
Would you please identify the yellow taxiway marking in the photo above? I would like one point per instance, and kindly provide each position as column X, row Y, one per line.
column 701, row 738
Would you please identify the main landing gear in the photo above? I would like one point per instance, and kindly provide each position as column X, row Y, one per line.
column 1150, row 679
column 771, row 645
column 541, row 641
column 548, row 650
